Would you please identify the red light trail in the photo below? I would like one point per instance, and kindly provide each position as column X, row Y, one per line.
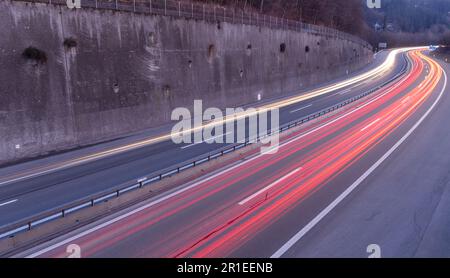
column 200, row 222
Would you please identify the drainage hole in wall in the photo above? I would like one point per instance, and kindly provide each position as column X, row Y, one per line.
column 37, row 55
column 70, row 43
column 211, row 52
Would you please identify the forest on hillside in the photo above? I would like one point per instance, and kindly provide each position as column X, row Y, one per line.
column 398, row 22
column 411, row 22
column 346, row 15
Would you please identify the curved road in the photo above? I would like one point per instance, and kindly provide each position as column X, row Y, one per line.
column 65, row 178
column 376, row 172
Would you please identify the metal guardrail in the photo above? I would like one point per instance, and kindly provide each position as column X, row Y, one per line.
column 90, row 201
column 209, row 13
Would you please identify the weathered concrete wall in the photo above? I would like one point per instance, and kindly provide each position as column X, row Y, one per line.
column 97, row 75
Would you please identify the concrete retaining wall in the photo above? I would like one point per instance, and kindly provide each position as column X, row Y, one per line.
column 70, row 78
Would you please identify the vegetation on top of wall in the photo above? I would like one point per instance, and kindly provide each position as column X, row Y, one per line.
column 400, row 22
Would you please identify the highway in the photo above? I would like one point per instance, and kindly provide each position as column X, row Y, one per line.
column 375, row 172
column 64, row 178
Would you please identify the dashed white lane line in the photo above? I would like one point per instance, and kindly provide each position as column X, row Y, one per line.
column 300, row 109
column 205, row 141
column 344, row 92
column 269, row 187
column 288, row 245
column 7, row 203
column 371, row 124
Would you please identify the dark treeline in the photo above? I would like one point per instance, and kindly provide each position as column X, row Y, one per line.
column 345, row 15
column 411, row 22
column 403, row 22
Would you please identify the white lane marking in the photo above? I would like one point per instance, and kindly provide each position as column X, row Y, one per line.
column 7, row 203
column 344, row 92
column 205, row 141
column 162, row 199
column 371, row 124
column 269, row 186
column 300, row 109
column 349, row 190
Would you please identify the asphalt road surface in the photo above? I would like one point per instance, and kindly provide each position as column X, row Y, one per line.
column 30, row 188
column 375, row 174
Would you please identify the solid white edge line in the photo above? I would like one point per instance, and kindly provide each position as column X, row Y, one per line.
column 349, row 190
column 246, row 200
column 101, row 226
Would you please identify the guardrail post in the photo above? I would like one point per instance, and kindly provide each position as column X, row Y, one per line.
column 134, row 5
column 150, row 2
column 179, row 8
column 165, row 7
column 116, row 5
column 215, row 14
column 203, row 12
column 224, row 14
column 192, row 8
column 96, row 4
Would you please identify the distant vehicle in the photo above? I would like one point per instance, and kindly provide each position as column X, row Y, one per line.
column 382, row 45
column 433, row 47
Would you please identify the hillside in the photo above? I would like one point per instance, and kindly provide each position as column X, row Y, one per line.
column 399, row 22
column 403, row 22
